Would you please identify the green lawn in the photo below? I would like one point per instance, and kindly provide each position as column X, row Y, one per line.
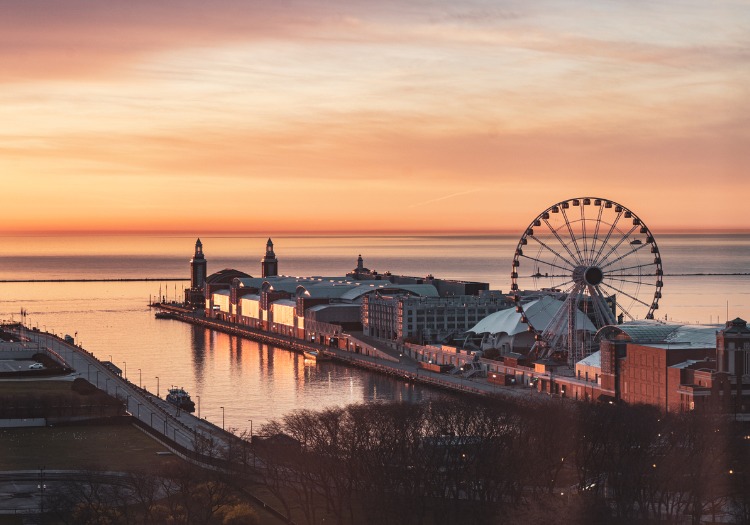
column 105, row 447
column 35, row 387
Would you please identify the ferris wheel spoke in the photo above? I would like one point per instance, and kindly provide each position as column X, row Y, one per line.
column 600, row 305
column 600, row 262
column 645, row 265
column 562, row 243
column 546, row 262
column 621, row 257
column 639, row 283
column 606, row 239
column 597, row 313
column 596, row 234
column 572, row 236
column 558, row 255
column 560, row 315
column 559, row 286
column 625, row 311
column 626, row 294
column 583, row 230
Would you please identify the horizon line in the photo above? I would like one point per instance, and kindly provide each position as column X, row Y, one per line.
column 322, row 232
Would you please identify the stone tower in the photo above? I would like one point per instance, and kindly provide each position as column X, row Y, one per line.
column 269, row 263
column 198, row 267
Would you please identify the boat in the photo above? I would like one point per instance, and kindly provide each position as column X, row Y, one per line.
column 316, row 355
column 636, row 241
column 164, row 315
column 181, row 399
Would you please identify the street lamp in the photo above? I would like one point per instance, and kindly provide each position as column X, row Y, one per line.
column 157, row 386
column 199, row 406
column 222, row 417
column 125, row 364
column 140, row 378
column 251, row 441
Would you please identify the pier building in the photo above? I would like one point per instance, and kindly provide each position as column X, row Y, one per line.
column 426, row 319
column 391, row 308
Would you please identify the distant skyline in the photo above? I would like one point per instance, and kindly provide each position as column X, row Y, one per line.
column 312, row 116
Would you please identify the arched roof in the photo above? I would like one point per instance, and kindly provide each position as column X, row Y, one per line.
column 226, row 276
column 659, row 333
column 540, row 312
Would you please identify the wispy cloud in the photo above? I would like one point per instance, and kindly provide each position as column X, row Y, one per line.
column 444, row 198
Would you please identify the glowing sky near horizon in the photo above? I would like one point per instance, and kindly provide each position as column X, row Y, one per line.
column 311, row 115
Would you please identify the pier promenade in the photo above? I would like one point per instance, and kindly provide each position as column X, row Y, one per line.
column 398, row 365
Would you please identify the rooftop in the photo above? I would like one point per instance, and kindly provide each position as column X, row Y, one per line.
column 659, row 334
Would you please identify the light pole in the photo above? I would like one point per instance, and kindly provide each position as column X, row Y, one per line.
column 157, row 386
column 110, row 359
column 97, row 379
column 140, row 378
column 251, row 441
column 139, row 412
column 125, row 364
column 106, row 384
column 222, row 417
column 41, row 486
column 199, row 406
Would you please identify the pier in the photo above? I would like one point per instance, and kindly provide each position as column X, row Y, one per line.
column 392, row 363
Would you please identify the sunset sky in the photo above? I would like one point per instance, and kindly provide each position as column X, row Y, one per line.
column 312, row 115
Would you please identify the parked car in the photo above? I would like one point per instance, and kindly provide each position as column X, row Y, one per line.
column 36, row 366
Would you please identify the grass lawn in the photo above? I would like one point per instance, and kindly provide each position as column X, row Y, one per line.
column 105, row 447
column 35, row 387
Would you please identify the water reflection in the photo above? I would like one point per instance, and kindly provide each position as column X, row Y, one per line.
column 198, row 349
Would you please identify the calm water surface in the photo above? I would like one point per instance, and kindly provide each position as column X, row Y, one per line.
column 256, row 382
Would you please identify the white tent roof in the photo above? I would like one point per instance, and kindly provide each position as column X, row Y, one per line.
column 540, row 312
column 594, row 360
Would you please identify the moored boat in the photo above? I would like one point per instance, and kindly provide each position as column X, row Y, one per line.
column 181, row 399
column 316, row 355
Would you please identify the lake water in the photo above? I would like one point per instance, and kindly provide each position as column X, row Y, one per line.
column 256, row 382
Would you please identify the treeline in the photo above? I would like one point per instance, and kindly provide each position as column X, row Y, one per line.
column 488, row 461
column 182, row 494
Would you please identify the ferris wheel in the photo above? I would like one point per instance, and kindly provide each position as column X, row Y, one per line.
column 598, row 259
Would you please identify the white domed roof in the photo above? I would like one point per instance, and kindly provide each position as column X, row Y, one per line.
column 540, row 312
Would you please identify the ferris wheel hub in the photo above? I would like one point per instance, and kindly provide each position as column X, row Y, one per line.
column 588, row 275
